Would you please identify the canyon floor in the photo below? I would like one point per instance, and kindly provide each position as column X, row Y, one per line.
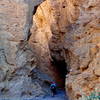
column 60, row 96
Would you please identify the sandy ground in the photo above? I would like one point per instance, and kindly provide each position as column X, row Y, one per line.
column 60, row 96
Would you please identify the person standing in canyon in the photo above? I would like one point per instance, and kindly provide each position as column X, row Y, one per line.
column 53, row 88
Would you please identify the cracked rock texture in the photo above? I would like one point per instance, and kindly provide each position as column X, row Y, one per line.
column 70, row 30
column 36, row 33
column 16, row 57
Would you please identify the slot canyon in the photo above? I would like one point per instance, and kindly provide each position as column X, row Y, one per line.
column 59, row 40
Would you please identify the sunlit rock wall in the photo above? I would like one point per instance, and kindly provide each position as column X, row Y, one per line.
column 82, row 50
column 16, row 57
column 70, row 30
column 34, row 37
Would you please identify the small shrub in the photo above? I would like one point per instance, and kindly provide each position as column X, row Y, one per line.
column 93, row 96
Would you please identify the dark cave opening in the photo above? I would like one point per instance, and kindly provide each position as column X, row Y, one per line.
column 61, row 69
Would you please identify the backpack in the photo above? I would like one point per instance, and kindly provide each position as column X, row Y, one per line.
column 53, row 86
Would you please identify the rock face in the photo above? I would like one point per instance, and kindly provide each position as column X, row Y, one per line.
column 16, row 57
column 83, row 51
column 46, row 39
column 58, row 37
column 12, row 21
column 69, row 30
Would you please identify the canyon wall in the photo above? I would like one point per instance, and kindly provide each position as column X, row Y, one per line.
column 69, row 30
column 16, row 57
column 59, row 39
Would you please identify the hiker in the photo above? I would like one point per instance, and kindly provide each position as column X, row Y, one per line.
column 53, row 88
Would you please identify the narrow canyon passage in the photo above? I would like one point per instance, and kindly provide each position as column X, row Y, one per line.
column 49, row 37
column 61, row 71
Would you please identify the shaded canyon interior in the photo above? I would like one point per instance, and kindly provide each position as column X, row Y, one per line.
column 58, row 39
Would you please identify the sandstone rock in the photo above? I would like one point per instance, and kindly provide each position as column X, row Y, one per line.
column 97, row 71
column 16, row 57
column 86, row 38
column 46, row 36
column 70, row 30
column 64, row 30
column 12, row 18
